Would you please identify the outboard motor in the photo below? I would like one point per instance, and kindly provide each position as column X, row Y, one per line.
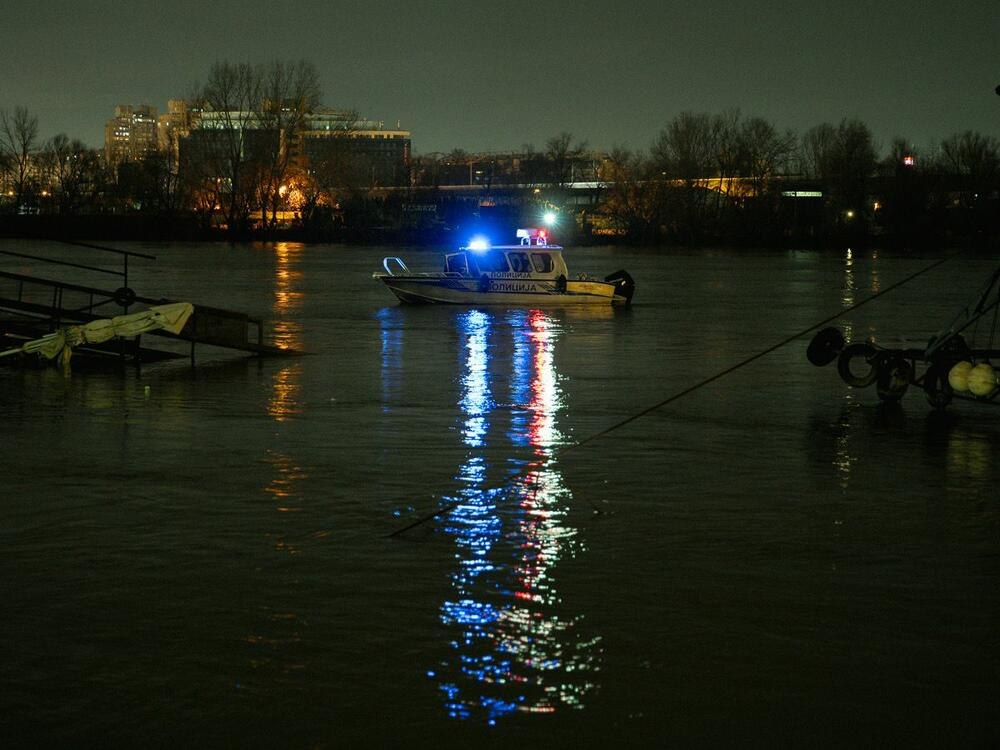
column 624, row 284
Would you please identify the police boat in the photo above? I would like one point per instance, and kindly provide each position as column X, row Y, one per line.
column 531, row 272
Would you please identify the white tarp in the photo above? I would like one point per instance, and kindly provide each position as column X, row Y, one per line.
column 170, row 318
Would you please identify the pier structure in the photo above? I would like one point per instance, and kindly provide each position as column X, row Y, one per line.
column 33, row 306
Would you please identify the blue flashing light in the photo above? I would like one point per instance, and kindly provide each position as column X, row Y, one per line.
column 479, row 244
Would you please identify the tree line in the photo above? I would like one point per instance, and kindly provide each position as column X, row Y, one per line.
column 724, row 177
column 705, row 178
column 235, row 169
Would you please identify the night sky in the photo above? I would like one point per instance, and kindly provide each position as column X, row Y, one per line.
column 494, row 76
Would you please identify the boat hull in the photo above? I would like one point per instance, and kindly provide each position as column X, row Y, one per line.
column 435, row 289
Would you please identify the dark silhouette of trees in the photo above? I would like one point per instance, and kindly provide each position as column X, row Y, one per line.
column 634, row 195
column 75, row 174
column 251, row 117
column 684, row 152
column 974, row 160
column 18, row 145
column 290, row 92
column 844, row 158
column 222, row 151
column 561, row 154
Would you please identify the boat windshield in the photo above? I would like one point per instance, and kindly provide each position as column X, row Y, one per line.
column 519, row 262
column 457, row 263
column 542, row 261
column 493, row 262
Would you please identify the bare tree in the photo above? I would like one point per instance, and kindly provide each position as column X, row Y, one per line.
column 685, row 153
column 844, row 157
column 765, row 152
column 74, row 172
column 227, row 141
column 170, row 191
column 727, row 143
column 18, row 144
column 251, row 120
column 633, row 200
column 291, row 92
column 561, row 154
column 972, row 156
column 685, row 148
column 531, row 166
column 971, row 163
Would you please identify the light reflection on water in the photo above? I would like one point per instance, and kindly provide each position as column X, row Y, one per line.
column 287, row 331
column 841, row 564
column 514, row 647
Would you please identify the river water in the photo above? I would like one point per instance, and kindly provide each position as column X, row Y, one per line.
column 203, row 556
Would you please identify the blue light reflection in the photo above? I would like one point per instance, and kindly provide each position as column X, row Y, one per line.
column 514, row 646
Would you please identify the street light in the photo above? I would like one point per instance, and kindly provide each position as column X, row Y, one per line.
column 549, row 217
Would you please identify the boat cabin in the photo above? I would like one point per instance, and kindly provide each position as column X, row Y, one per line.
column 533, row 257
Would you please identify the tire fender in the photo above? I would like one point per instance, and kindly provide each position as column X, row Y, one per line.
column 864, row 351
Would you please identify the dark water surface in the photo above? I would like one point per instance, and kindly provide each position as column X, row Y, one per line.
column 200, row 556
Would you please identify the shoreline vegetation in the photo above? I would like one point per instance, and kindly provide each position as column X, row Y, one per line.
column 236, row 168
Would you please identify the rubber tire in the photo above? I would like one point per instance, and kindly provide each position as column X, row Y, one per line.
column 893, row 377
column 852, row 351
column 937, row 389
column 825, row 346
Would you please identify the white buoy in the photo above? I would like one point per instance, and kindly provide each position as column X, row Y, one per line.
column 983, row 380
column 958, row 377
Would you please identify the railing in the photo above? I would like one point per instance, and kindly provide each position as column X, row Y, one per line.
column 125, row 255
column 387, row 263
column 58, row 301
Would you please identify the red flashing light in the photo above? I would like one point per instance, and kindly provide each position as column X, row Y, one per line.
column 541, row 233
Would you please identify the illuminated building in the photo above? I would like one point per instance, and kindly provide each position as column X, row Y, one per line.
column 335, row 146
column 173, row 124
column 342, row 150
column 130, row 134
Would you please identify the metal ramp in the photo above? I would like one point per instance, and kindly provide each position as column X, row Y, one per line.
column 31, row 306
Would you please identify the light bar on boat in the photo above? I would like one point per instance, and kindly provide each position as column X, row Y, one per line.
column 479, row 244
column 533, row 236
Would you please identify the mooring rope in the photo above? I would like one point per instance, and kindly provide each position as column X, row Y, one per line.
column 702, row 383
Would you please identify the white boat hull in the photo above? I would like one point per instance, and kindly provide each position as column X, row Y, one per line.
column 445, row 289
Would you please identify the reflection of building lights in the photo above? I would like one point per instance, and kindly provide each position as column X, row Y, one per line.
column 287, row 332
column 283, row 403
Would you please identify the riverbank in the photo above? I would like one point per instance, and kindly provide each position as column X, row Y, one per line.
column 156, row 228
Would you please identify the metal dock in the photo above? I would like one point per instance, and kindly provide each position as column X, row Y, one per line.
column 31, row 306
